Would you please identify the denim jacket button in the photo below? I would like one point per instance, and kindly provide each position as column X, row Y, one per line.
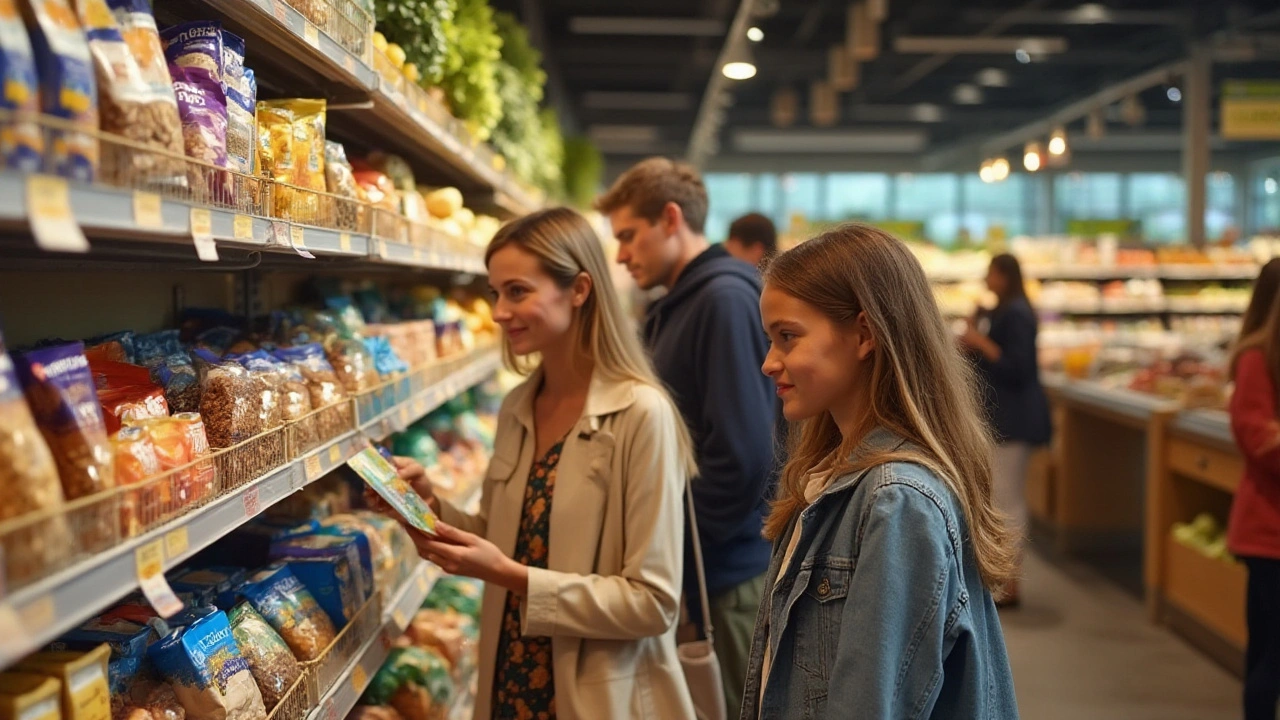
column 824, row 587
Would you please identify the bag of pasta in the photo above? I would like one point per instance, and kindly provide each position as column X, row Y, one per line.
column 270, row 660
column 29, row 482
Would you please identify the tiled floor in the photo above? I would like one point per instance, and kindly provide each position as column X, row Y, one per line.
column 1082, row 649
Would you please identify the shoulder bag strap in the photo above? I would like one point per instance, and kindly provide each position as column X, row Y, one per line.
column 697, row 562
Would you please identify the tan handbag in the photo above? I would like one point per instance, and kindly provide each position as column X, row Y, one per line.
column 698, row 657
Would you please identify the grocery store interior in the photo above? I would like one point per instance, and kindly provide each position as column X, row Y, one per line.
column 242, row 263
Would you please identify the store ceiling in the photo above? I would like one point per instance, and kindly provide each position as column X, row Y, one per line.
column 632, row 75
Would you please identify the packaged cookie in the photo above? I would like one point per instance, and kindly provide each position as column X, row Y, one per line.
column 67, row 88
column 21, row 143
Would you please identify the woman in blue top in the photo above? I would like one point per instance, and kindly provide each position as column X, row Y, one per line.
column 877, row 602
column 1015, row 400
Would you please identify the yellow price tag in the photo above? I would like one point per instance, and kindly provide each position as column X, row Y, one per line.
column 335, row 454
column 344, row 242
column 202, row 234
column 399, row 618
column 242, row 227
column 422, row 584
column 147, row 210
column 311, row 34
column 404, row 414
column 49, row 208
column 359, row 678
column 176, row 542
column 312, row 467
column 150, row 559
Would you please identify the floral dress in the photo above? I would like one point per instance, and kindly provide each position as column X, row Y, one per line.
column 524, row 686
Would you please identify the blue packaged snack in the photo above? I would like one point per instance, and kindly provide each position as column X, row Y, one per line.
column 21, row 144
column 206, row 585
column 338, row 526
column 68, row 89
column 152, row 348
column 127, row 639
column 64, row 402
column 208, row 674
column 331, row 568
column 121, row 674
column 277, row 594
column 385, row 360
column 177, row 375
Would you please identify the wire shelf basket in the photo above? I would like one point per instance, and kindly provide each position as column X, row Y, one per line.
column 323, row 672
column 319, row 427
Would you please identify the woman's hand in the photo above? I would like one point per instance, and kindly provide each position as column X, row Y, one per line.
column 461, row 553
column 412, row 472
column 973, row 339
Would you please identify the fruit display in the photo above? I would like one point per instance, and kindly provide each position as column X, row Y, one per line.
column 1188, row 379
column 1205, row 535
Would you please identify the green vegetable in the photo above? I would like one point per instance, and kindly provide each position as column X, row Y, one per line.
column 528, row 138
column 410, row 665
column 583, row 171
column 422, row 28
column 470, row 74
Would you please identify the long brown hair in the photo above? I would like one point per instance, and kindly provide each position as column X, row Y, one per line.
column 1266, row 289
column 566, row 245
column 1009, row 267
column 920, row 387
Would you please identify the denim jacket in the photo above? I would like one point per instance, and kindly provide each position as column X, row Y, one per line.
column 881, row 613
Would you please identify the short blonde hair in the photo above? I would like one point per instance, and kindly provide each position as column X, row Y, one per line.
column 649, row 185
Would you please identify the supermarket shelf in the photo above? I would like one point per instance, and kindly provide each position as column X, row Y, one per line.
column 1126, row 403
column 426, row 257
column 396, row 416
column 397, row 614
column 1214, row 425
column 38, row 613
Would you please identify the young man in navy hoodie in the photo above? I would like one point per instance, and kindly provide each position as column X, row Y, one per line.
column 707, row 346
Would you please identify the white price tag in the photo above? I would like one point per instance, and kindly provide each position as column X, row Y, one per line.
column 312, row 467
column 252, row 503
column 49, row 208
column 150, row 565
column 311, row 34
column 202, row 234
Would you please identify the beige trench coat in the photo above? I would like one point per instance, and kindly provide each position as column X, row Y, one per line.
column 610, row 597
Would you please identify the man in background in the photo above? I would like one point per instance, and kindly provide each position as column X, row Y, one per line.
column 752, row 238
column 707, row 347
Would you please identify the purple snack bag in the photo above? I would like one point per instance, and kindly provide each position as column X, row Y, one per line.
column 203, row 109
column 62, row 397
column 195, row 45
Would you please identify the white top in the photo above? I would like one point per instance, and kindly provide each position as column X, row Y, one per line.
column 819, row 480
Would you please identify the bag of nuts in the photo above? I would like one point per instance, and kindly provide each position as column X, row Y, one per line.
column 227, row 402
column 131, row 107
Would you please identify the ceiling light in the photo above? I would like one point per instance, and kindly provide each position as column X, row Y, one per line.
column 1174, row 94
column 1032, row 157
column 986, row 173
column 738, row 63
column 1000, row 168
column 1022, row 55
column 1058, row 142
column 967, row 94
column 1092, row 13
column 926, row 112
column 992, row 77
column 1269, row 185
column 755, row 34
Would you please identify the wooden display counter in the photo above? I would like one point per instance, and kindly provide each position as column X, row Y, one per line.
column 1193, row 468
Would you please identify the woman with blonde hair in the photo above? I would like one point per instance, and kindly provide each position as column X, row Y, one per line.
column 579, row 537
column 886, row 544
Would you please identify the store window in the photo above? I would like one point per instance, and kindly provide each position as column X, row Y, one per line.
column 992, row 209
column 1266, row 198
column 1087, row 196
column 767, row 196
column 801, row 198
column 1220, row 205
column 857, row 196
column 729, row 196
column 931, row 198
column 1159, row 201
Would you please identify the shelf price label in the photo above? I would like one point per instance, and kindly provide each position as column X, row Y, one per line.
column 176, row 542
column 38, row 614
column 148, row 210
column 335, row 454
column 349, row 63
column 359, row 678
column 311, row 34
column 202, row 234
column 280, row 10
column 252, row 503
column 298, row 240
column 344, row 240
column 242, row 227
column 312, row 467
column 150, row 564
column 49, row 208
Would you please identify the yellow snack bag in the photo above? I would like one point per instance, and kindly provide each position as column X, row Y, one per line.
column 85, row 695
column 28, row 696
column 291, row 148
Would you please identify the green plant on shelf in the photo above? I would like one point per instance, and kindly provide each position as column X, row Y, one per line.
column 422, row 28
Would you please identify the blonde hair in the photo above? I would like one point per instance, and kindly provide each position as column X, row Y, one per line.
column 919, row 386
column 566, row 245
column 649, row 185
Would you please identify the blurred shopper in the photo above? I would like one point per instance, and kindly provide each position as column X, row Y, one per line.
column 886, row 544
column 1253, row 532
column 578, row 534
column 752, row 238
column 1016, row 404
column 707, row 347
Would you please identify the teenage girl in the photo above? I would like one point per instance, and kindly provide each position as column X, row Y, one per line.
column 1253, row 531
column 580, row 533
column 886, row 544
column 1017, row 406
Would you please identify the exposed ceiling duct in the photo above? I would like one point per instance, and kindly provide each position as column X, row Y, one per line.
column 965, row 45
column 688, row 27
column 829, row 141
column 656, row 101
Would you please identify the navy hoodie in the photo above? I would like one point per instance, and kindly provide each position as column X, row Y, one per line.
column 707, row 347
